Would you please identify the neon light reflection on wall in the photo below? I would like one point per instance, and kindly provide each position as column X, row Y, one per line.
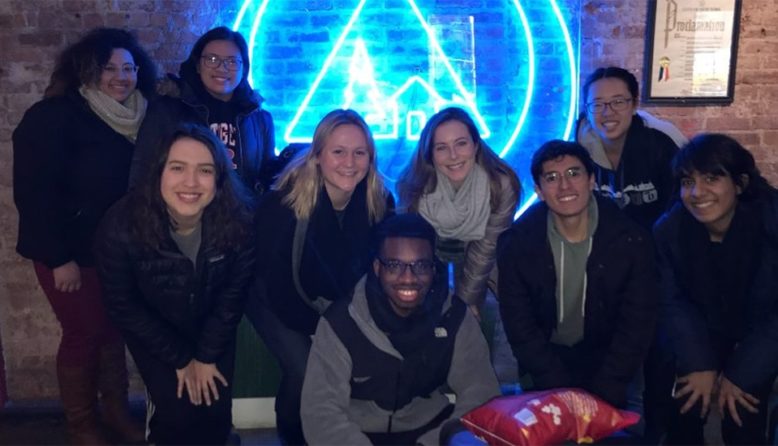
column 512, row 65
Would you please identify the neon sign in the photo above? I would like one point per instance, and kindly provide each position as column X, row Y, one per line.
column 512, row 66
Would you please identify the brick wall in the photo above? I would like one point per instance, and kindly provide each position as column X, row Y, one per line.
column 750, row 118
column 32, row 32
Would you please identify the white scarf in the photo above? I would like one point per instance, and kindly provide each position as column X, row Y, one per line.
column 461, row 214
column 125, row 118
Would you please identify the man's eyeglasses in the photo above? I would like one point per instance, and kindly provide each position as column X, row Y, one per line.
column 397, row 268
column 230, row 63
column 618, row 104
column 127, row 69
column 572, row 174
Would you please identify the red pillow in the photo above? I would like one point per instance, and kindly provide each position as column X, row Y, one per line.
column 547, row 417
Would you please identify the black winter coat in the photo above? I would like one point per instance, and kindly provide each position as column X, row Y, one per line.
column 161, row 302
column 69, row 168
column 754, row 362
column 621, row 301
column 334, row 256
column 256, row 137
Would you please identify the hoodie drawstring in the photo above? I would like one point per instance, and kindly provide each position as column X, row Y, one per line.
column 561, row 316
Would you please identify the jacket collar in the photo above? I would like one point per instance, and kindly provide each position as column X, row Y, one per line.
column 190, row 91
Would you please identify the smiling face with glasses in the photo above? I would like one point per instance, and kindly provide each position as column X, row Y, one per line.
column 565, row 186
column 220, row 68
column 610, row 110
column 119, row 76
column 405, row 269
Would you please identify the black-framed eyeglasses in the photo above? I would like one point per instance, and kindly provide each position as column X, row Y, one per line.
column 572, row 174
column 127, row 69
column 618, row 104
column 397, row 268
column 230, row 63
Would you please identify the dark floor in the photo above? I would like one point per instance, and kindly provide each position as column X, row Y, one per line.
column 44, row 424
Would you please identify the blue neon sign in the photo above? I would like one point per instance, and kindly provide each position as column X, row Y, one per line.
column 511, row 64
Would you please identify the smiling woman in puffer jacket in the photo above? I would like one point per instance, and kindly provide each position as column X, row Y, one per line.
column 174, row 257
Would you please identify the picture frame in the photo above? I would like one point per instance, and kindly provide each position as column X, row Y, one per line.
column 691, row 51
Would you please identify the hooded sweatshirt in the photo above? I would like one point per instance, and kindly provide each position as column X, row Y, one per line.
column 642, row 183
column 570, row 264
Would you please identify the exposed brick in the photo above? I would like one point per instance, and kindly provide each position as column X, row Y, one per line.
column 765, row 122
column 748, row 139
column 41, row 39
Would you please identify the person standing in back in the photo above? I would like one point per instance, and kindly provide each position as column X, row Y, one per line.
column 72, row 153
column 212, row 90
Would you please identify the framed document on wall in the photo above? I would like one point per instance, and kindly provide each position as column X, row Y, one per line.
column 691, row 51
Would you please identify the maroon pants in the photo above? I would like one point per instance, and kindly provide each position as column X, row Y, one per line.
column 85, row 324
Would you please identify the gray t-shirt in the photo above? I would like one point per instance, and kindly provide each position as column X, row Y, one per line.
column 189, row 244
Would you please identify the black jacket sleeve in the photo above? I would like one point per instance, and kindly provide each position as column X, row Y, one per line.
column 41, row 144
column 529, row 343
column 684, row 322
column 123, row 298
column 268, row 137
column 634, row 325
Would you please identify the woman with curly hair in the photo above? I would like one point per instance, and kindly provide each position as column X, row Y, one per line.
column 313, row 234
column 72, row 153
column 468, row 194
column 174, row 258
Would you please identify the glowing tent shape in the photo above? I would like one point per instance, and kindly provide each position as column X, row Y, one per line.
column 385, row 113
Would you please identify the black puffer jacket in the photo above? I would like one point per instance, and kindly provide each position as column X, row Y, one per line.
column 69, row 168
column 256, row 137
column 161, row 301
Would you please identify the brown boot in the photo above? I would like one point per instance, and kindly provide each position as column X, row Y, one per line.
column 113, row 384
column 78, row 390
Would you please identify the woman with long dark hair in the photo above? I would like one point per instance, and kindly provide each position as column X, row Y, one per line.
column 72, row 153
column 213, row 90
column 313, row 236
column 718, row 257
column 468, row 194
column 174, row 257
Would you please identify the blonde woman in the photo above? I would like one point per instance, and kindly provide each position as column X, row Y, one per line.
column 468, row 194
column 313, row 234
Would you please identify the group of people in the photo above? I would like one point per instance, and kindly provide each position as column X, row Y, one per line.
column 151, row 221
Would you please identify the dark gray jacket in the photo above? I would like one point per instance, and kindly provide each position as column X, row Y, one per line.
column 330, row 416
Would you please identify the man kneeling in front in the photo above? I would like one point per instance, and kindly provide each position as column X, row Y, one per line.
column 382, row 363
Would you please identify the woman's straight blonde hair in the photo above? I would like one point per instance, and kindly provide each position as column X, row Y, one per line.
column 301, row 179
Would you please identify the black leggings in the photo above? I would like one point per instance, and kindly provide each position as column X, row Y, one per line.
column 178, row 421
column 688, row 428
column 291, row 349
